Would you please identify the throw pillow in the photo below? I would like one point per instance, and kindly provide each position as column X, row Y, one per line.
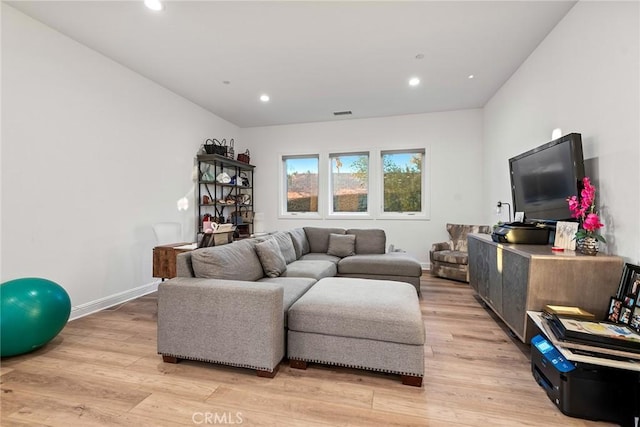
column 286, row 246
column 271, row 258
column 342, row 245
column 300, row 243
column 235, row 261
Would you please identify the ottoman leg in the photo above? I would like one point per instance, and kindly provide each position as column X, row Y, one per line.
column 411, row 380
column 169, row 359
column 298, row 364
column 267, row 374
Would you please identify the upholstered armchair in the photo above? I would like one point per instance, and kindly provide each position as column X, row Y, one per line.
column 450, row 259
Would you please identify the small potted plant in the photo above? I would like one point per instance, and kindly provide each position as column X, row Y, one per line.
column 584, row 210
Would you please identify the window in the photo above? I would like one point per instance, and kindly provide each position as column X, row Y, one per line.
column 403, row 182
column 301, row 184
column 349, row 183
column 371, row 184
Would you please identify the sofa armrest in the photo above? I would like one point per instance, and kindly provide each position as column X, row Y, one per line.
column 223, row 321
column 442, row 246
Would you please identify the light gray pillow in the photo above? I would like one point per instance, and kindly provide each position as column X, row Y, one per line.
column 286, row 246
column 342, row 245
column 300, row 243
column 271, row 258
column 235, row 261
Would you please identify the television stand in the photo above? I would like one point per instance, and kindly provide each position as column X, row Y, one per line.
column 513, row 278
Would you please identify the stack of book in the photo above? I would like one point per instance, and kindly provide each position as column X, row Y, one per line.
column 580, row 327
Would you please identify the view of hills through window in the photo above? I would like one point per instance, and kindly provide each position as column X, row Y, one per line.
column 350, row 182
column 302, row 184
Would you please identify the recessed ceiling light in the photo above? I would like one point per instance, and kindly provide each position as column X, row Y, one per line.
column 264, row 98
column 420, row 56
column 414, row 81
column 226, row 82
column 471, row 76
column 153, row 5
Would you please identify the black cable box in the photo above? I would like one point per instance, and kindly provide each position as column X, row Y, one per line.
column 523, row 233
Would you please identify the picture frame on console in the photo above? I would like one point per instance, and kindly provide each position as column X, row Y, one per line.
column 634, row 322
column 629, row 283
column 565, row 236
column 624, row 308
column 625, row 315
column 615, row 308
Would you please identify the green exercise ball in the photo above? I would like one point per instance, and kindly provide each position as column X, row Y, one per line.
column 32, row 313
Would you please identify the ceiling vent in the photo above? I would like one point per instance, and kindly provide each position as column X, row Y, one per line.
column 342, row 113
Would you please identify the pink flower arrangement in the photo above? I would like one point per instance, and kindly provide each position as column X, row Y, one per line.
column 585, row 211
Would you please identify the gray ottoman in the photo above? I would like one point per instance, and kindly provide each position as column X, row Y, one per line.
column 360, row 323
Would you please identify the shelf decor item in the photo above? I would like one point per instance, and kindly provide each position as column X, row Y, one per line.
column 584, row 210
column 213, row 146
column 244, row 157
column 587, row 246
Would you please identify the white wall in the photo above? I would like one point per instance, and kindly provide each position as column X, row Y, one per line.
column 93, row 154
column 453, row 141
column 584, row 77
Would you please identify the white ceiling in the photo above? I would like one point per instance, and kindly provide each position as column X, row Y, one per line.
column 313, row 58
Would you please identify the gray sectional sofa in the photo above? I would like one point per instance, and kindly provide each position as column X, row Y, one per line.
column 229, row 304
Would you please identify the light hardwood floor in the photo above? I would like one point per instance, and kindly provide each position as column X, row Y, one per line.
column 103, row 370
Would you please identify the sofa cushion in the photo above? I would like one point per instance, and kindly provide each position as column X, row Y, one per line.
column 312, row 269
column 286, row 246
column 271, row 258
column 320, row 257
column 300, row 242
column 391, row 264
column 452, row 257
column 370, row 241
column 318, row 238
column 342, row 245
column 372, row 309
column 235, row 261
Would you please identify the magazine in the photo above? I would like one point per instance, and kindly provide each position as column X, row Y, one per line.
column 610, row 335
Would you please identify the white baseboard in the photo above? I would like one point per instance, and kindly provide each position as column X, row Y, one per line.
column 106, row 302
column 425, row 266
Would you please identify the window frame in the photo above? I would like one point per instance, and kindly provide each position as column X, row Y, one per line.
column 283, row 203
column 375, row 197
column 423, row 214
column 329, row 198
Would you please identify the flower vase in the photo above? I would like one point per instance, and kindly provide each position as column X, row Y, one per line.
column 587, row 246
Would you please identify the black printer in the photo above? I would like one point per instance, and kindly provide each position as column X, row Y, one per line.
column 520, row 232
column 584, row 390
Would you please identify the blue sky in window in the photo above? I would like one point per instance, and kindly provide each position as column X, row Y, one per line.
column 346, row 163
column 302, row 165
column 310, row 164
column 400, row 159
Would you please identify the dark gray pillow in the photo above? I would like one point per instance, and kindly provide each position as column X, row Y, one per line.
column 271, row 258
column 342, row 245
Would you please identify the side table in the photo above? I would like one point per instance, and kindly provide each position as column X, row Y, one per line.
column 164, row 258
column 604, row 384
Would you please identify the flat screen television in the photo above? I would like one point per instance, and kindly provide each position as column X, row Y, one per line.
column 543, row 178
